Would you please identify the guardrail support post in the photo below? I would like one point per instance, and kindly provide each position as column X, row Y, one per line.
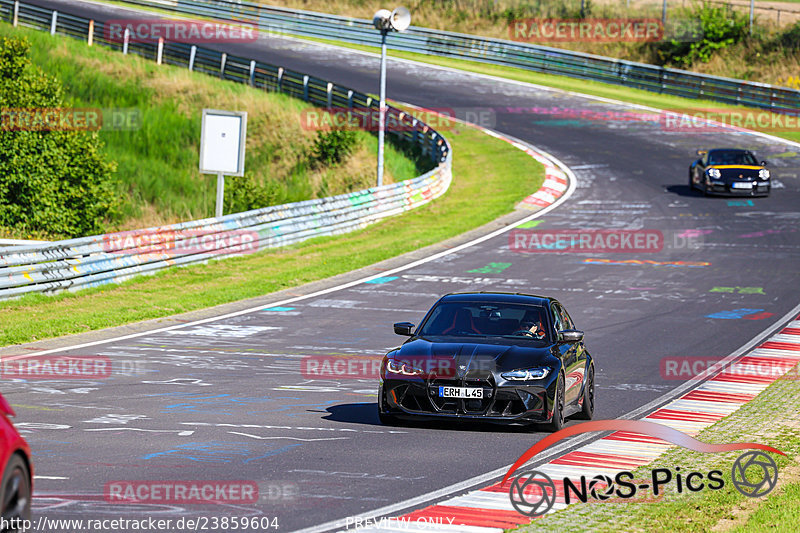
column 53, row 22
column 252, row 72
column 330, row 95
column 305, row 88
column 350, row 99
column 160, row 55
column 280, row 79
column 91, row 33
column 126, row 38
column 222, row 64
column 192, row 53
column 15, row 18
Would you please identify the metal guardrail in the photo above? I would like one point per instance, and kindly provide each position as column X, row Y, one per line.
column 91, row 261
column 493, row 51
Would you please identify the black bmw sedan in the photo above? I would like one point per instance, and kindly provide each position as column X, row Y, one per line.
column 495, row 357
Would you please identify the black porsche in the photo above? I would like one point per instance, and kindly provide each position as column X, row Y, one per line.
column 729, row 171
column 496, row 357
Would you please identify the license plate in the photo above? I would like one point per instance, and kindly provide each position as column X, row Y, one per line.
column 742, row 185
column 460, row 392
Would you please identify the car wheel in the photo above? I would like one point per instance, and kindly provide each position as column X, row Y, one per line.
column 557, row 422
column 587, row 412
column 691, row 180
column 15, row 493
column 385, row 418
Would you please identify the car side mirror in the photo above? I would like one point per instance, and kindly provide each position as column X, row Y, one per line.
column 404, row 328
column 701, row 153
column 763, row 163
column 570, row 335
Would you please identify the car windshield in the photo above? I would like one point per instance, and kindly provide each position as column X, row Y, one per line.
column 487, row 319
column 731, row 157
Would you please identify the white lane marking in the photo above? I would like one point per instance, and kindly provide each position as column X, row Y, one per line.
column 572, row 186
column 49, row 477
column 181, row 433
column 259, row 437
column 226, row 330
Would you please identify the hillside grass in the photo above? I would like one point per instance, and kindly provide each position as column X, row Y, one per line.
column 157, row 176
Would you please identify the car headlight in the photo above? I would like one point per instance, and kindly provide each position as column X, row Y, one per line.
column 526, row 374
column 763, row 174
column 402, row 368
column 714, row 173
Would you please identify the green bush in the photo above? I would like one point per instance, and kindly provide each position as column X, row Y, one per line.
column 244, row 194
column 720, row 27
column 56, row 182
column 788, row 39
column 331, row 147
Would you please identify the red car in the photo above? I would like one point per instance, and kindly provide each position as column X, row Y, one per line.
column 15, row 459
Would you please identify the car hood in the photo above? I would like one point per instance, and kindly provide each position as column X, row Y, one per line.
column 732, row 172
column 473, row 358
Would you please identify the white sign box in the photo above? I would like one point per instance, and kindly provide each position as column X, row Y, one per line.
column 222, row 142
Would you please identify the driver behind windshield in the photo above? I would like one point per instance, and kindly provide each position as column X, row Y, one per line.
column 531, row 324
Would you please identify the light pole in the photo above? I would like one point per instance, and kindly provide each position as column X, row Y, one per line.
column 386, row 21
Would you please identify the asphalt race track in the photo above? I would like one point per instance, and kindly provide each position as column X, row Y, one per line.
column 226, row 400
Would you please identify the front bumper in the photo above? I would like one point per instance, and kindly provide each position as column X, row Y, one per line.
column 419, row 398
column 727, row 189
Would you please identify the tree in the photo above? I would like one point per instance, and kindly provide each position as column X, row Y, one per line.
column 54, row 178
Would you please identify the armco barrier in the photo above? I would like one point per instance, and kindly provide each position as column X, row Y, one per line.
column 494, row 51
column 97, row 260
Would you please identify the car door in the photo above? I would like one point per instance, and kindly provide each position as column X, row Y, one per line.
column 573, row 356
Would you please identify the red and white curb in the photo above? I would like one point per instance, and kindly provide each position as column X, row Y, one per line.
column 489, row 510
column 555, row 180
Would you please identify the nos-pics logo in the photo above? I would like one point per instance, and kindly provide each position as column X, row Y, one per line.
column 533, row 493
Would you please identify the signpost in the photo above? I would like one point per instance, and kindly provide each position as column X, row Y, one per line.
column 222, row 141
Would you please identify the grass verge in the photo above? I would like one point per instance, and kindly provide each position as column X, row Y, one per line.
column 476, row 175
column 772, row 418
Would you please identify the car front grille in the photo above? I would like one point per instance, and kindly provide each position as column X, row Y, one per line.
column 458, row 405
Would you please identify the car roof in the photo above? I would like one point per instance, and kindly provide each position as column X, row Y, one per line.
column 498, row 297
column 728, row 150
